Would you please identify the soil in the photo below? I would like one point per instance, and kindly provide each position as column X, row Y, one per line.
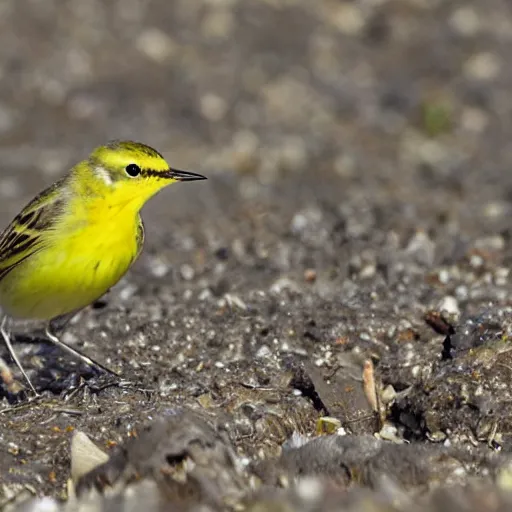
column 343, row 270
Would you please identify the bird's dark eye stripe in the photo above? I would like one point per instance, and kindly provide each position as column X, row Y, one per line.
column 151, row 173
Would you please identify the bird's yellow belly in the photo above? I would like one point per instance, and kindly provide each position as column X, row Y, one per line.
column 57, row 282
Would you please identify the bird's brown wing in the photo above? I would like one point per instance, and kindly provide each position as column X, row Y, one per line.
column 22, row 238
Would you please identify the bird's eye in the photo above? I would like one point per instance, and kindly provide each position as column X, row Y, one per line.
column 132, row 170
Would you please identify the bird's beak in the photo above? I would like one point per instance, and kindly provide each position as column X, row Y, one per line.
column 175, row 174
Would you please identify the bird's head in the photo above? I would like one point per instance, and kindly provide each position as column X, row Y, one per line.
column 133, row 171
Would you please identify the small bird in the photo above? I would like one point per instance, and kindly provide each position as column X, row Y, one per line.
column 77, row 238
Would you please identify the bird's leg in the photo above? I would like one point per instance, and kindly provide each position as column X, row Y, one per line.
column 58, row 324
column 87, row 360
column 4, row 330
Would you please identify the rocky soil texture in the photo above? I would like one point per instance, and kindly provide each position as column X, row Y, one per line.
column 322, row 325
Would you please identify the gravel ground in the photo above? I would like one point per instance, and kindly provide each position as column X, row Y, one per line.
column 344, row 270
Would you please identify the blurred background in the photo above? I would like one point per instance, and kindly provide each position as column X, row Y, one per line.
column 359, row 163
column 400, row 105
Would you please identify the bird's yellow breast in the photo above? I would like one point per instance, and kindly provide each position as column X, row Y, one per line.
column 77, row 263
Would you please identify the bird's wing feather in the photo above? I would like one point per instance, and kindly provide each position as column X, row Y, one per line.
column 22, row 238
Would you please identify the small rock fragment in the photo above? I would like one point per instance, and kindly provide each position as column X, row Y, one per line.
column 85, row 456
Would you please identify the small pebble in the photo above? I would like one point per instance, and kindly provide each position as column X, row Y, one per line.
column 389, row 432
column 449, row 305
column 159, row 268
column 474, row 120
column 348, row 18
column 422, row 248
column 465, row 21
column 187, row 272
column 484, row 66
column 310, row 275
column 213, row 107
column 263, row 352
column 156, row 45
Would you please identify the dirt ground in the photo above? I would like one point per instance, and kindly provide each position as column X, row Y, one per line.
column 347, row 258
